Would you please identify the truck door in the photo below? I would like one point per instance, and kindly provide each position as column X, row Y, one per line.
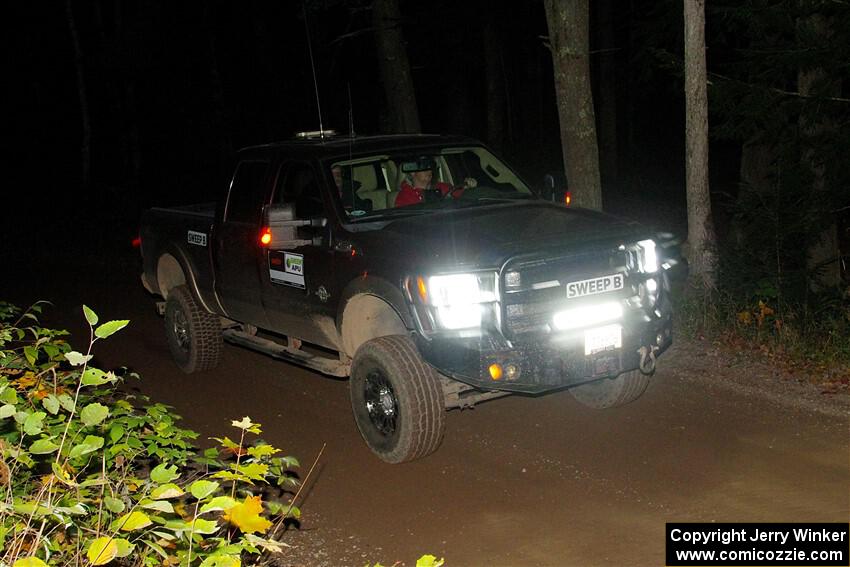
column 299, row 293
column 238, row 253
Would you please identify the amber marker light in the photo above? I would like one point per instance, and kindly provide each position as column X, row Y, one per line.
column 495, row 371
column 568, row 198
column 266, row 237
column 422, row 288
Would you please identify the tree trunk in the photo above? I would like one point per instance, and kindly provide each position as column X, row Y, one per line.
column 607, row 92
column 494, row 79
column 402, row 114
column 85, row 145
column 569, row 39
column 701, row 238
column 823, row 253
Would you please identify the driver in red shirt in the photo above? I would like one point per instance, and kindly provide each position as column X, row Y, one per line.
column 419, row 187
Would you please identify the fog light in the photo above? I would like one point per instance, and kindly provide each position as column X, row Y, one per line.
column 496, row 371
column 512, row 372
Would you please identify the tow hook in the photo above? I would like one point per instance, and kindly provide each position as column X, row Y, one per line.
column 647, row 359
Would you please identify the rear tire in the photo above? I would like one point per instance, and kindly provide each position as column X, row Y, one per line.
column 397, row 400
column 612, row 392
column 192, row 332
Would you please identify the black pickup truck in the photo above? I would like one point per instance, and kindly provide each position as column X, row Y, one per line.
column 468, row 288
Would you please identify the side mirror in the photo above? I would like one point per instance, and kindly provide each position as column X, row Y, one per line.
column 555, row 188
column 280, row 230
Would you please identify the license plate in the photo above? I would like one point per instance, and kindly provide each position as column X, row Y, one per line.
column 603, row 338
column 592, row 286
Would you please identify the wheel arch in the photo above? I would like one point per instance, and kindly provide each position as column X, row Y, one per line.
column 173, row 268
column 371, row 308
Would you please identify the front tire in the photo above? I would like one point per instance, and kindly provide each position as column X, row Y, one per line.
column 612, row 392
column 397, row 400
column 192, row 332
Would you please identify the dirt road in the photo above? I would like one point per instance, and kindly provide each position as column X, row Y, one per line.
column 518, row 481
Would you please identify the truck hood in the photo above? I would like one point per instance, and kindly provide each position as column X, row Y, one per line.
column 487, row 236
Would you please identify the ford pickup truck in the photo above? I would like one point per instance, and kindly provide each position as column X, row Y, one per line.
column 476, row 288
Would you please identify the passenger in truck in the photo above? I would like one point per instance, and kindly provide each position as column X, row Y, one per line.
column 347, row 189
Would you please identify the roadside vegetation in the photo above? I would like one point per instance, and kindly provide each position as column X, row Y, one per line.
column 93, row 476
column 806, row 338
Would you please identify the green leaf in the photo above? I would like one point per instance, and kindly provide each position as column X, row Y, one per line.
column 43, row 447
column 131, row 522
column 29, row 562
column 67, row 402
column 94, row 414
column 9, row 396
column 125, row 548
column 218, row 503
column 200, row 489
column 158, row 505
column 261, row 451
column 116, row 432
column 266, row 544
column 91, row 316
column 221, row 560
column 157, row 548
column 77, row 509
column 102, row 551
column 34, row 423
column 166, row 491
column 7, row 411
column 95, row 377
column 62, row 474
column 110, row 328
column 163, row 473
column 114, row 505
column 245, row 423
column 31, row 353
column 51, row 404
column 89, row 445
column 254, row 471
column 429, row 561
column 291, row 462
column 31, row 509
column 205, row 527
column 77, row 358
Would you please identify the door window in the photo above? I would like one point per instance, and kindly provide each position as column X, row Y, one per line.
column 297, row 185
column 247, row 192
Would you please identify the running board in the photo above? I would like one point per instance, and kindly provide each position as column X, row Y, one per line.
column 325, row 365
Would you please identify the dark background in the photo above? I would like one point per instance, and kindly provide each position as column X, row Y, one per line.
column 174, row 88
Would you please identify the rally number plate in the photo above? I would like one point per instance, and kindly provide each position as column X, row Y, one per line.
column 602, row 338
column 593, row 286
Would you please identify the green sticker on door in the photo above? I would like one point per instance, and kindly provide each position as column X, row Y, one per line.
column 293, row 268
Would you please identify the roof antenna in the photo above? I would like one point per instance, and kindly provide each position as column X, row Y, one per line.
column 351, row 133
column 313, row 67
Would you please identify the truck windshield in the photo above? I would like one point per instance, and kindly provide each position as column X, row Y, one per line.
column 422, row 181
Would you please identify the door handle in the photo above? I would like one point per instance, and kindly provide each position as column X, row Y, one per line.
column 343, row 246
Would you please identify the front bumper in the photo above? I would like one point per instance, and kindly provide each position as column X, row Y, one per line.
column 547, row 363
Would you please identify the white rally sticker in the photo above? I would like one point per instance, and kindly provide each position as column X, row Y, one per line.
column 293, row 268
column 196, row 238
column 593, row 286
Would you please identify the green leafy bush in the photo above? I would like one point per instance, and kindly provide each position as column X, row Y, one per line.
column 89, row 478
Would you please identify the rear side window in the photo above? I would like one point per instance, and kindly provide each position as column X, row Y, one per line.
column 247, row 192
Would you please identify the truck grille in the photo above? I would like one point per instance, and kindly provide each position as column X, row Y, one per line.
column 535, row 289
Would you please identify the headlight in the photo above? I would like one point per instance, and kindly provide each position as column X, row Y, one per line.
column 649, row 258
column 458, row 301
